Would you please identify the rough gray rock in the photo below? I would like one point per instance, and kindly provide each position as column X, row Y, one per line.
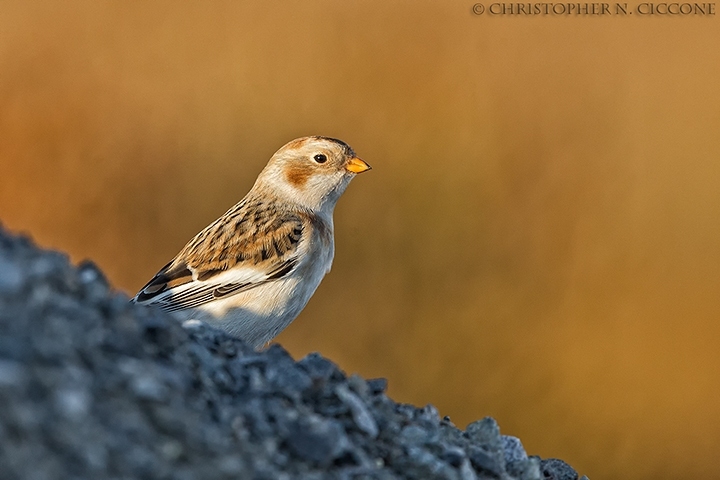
column 93, row 387
column 554, row 469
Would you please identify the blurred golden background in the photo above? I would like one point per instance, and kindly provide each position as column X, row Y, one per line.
column 538, row 239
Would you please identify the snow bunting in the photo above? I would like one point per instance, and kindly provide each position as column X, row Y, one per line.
column 253, row 270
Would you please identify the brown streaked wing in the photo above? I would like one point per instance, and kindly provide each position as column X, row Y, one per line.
column 258, row 235
column 253, row 233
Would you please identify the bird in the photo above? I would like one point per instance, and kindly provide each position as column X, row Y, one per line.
column 252, row 271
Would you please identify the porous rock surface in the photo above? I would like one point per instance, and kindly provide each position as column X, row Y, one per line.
column 93, row 387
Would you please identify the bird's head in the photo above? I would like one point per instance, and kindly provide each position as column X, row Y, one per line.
column 311, row 171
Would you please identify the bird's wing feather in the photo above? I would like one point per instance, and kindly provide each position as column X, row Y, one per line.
column 234, row 281
column 252, row 244
column 172, row 275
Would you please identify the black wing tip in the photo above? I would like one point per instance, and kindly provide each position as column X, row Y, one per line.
column 142, row 297
column 161, row 282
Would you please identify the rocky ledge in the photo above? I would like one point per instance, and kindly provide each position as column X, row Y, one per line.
column 93, row 387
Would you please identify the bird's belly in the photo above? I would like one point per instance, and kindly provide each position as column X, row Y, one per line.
column 258, row 315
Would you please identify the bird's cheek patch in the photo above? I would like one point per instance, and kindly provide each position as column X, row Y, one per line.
column 298, row 176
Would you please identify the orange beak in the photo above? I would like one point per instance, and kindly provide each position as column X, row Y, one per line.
column 357, row 166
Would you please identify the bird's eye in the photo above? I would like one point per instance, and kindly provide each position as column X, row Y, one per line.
column 320, row 158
